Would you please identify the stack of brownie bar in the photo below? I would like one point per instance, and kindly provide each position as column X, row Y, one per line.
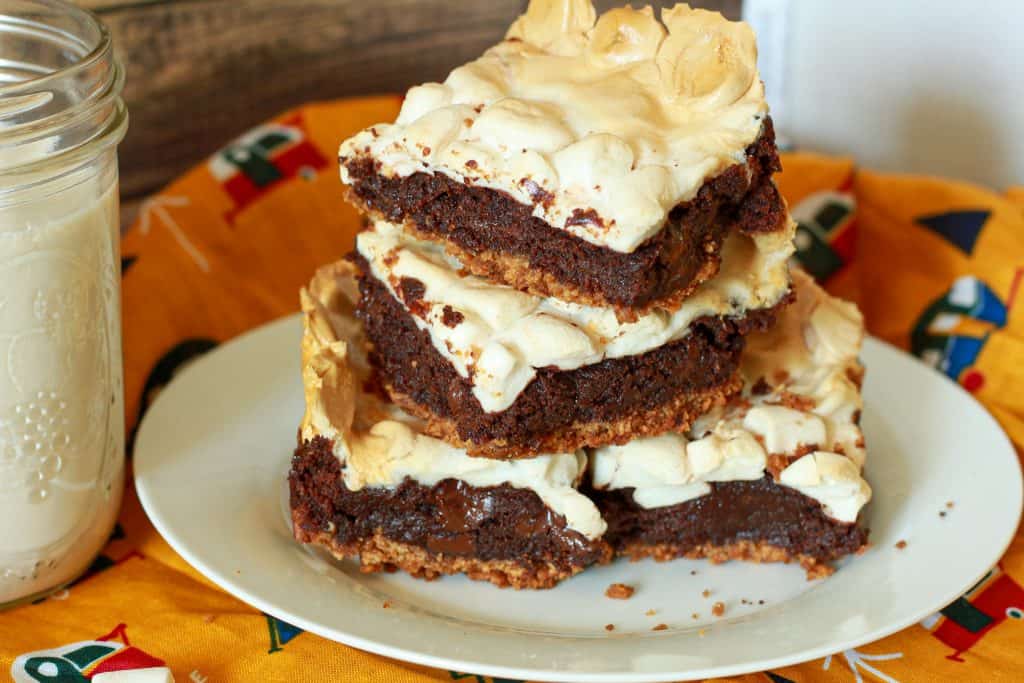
column 535, row 357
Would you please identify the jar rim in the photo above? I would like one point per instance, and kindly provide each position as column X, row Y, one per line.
column 71, row 106
column 89, row 59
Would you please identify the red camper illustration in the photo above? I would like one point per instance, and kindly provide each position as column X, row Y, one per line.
column 80, row 662
column 826, row 232
column 996, row 599
column 253, row 164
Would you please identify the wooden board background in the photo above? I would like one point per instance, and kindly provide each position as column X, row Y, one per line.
column 199, row 72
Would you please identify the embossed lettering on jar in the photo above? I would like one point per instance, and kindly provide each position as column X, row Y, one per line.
column 61, row 394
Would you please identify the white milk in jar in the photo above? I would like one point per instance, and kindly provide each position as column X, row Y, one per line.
column 61, row 394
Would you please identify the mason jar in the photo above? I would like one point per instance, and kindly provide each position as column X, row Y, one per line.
column 61, row 395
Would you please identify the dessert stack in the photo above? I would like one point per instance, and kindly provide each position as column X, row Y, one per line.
column 570, row 330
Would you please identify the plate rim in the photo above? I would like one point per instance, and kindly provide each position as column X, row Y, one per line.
column 225, row 582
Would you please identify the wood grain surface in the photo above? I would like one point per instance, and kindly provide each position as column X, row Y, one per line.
column 200, row 72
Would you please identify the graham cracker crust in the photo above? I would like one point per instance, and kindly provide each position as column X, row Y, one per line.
column 380, row 554
column 677, row 415
column 747, row 551
column 516, row 271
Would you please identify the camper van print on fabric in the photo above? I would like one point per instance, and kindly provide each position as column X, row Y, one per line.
column 996, row 599
column 826, row 234
column 83, row 661
column 953, row 330
column 251, row 165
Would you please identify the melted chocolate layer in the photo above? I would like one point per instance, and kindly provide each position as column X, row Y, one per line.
column 451, row 517
column 759, row 511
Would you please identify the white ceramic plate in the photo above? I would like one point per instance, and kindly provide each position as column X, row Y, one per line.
column 210, row 466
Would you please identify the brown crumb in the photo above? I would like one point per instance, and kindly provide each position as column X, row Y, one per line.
column 949, row 505
column 450, row 317
column 609, row 627
column 650, row 612
column 660, row 627
column 760, row 602
column 387, row 604
column 901, row 544
column 776, row 463
column 705, row 593
column 718, row 609
column 693, row 572
column 942, row 513
column 619, row 591
column 695, row 616
column 744, row 601
column 794, row 401
column 741, row 403
column 208, row 618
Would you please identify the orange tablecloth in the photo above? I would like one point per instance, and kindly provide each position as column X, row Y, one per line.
column 937, row 267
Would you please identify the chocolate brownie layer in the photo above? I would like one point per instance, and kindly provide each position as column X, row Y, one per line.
column 498, row 238
column 611, row 401
column 499, row 533
column 754, row 520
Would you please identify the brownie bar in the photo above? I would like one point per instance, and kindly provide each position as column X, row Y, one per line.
column 499, row 534
column 498, row 238
column 756, row 520
column 612, row 401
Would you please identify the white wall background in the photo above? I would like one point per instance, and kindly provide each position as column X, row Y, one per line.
column 929, row 86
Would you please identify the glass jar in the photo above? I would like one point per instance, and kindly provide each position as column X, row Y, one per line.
column 61, row 395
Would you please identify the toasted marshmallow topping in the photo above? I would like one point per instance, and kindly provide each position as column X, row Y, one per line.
column 502, row 335
column 602, row 124
column 801, row 400
column 831, row 479
column 378, row 444
column 670, row 469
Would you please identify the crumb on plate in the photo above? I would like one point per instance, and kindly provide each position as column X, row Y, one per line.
column 619, row 591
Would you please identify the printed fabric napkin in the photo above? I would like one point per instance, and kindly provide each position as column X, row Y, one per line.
column 937, row 266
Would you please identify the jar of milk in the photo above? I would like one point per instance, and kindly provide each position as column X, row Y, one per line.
column 61, row 406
